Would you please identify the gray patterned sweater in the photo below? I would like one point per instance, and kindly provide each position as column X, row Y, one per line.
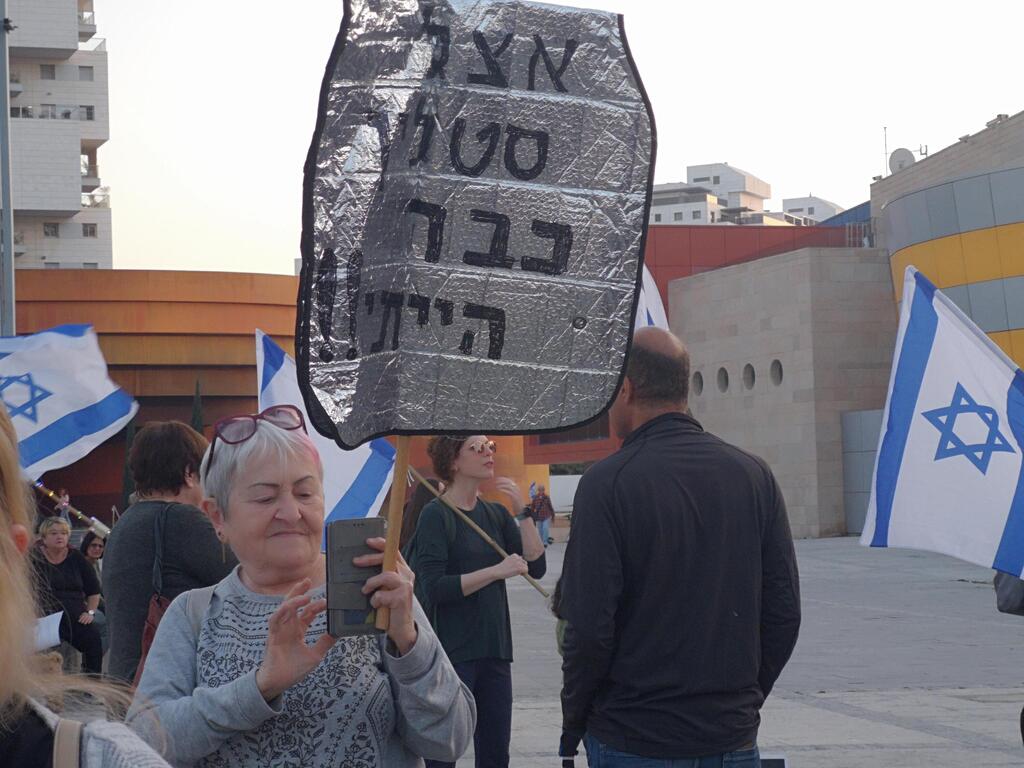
column 360, row 708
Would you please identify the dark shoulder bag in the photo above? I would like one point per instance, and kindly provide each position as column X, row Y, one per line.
column 158, row 604
column 1009, row 593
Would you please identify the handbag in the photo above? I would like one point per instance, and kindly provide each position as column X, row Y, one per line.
column 158, row 604
column 1009, row 593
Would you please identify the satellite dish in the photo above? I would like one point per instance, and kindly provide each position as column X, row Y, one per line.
column 900, row 159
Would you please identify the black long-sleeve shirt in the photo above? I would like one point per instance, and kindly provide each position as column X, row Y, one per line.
column 681, row 592
column 475, row 626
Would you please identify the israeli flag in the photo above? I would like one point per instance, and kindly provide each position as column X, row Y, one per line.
column 650, row 311
column 61, row 400
column 948, row 477
column 356, row 481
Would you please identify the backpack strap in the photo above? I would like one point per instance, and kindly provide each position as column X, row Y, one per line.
column 197, row 603
column 67, row 744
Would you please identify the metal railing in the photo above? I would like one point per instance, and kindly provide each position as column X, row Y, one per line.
column 90, row 170
column 66, row 112
column 19, row 238
column 87, row 17
column 98, row 199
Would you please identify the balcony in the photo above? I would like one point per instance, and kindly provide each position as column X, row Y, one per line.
column 65, row 112
column 19, row 244
column 86, row 25
column 93, row 44
column 98, row 199
column 90, row 177
column 15, row 88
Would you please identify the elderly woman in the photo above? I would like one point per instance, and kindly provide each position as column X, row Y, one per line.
column 67, row 582
column 252, row 678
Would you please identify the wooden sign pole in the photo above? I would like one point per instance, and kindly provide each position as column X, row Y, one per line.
column 395, row 510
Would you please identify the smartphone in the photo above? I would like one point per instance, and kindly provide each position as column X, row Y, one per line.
column 348, row 610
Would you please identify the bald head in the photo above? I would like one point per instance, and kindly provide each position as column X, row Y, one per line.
column 658, row 367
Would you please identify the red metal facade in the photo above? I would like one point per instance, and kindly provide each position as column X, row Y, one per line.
column 672, row 252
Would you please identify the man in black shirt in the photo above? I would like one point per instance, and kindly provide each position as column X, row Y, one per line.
column 680, row 583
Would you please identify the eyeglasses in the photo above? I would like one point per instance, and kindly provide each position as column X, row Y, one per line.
column 237, row 429
column 486, row 445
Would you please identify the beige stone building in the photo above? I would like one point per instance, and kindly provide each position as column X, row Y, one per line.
column 781, row 348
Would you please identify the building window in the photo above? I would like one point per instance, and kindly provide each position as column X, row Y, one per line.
column 677, row 216
column 712, row 217
column 698, row 383
column 749, row 377
column 86, row 112
column 47, row 71
column 810, row 210
column 88, row 230
column 695, row 215
column 657, row 218
column 48, row 111
column 90, row 265
column 52, row 265
column 776, row 372
column 85, row 74
column 51, row 229
column 21, row 111
column 723, row 380
column 716, row 179
column 796, row 210
column 699, row 179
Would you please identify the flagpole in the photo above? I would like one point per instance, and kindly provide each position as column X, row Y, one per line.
column 6, row 205
column 395, row 511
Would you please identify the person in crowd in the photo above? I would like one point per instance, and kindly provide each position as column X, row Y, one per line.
column 679, row 585
column 542, row 512
column 254, row 679
column 63, row 505
column 26, row 725
column 67, row 582
column 413, row 507
column 92, row 547
column 465, row 581
column 164, row 462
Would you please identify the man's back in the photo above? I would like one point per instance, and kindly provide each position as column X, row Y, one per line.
column 681, row 592
column 192, row 558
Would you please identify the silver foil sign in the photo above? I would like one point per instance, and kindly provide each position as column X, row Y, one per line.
column 474, row 211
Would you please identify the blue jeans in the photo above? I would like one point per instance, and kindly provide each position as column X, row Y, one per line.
column 602, row 756
column 543, row 527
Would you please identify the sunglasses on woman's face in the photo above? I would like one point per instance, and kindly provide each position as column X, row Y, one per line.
column 237, row 429
column 481, row 447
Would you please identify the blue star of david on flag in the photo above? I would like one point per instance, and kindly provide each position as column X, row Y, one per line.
column 34, row 396
column 950, row 444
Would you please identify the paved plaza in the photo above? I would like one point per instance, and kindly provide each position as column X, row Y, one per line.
column 902, row 660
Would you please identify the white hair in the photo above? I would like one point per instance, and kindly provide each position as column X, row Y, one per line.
column 285, row 443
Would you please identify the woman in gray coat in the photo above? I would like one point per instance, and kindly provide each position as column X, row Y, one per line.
column 252, row 678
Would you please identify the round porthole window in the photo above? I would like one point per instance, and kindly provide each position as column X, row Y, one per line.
column 776, row 372
column 698, row 383
column 748, row 376
column 723, row 380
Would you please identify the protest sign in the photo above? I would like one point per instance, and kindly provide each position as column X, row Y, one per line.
column 474, row 211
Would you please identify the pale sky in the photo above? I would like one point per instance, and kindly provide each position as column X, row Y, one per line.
column 213, row 104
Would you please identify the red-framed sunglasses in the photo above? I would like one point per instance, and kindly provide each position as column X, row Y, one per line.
column 237, row 429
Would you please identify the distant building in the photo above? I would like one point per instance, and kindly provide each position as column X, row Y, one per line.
column 739, row 188
column 815, row 209
column 59, row 120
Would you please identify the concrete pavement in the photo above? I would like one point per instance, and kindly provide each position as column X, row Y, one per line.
column 903, row 661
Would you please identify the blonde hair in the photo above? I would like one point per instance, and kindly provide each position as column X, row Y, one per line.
column 53, row 522
column 23, row 676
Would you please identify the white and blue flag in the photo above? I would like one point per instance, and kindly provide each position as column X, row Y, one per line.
column 949, row 476
column 59, row 395
column 650, row 311
column 356, row 481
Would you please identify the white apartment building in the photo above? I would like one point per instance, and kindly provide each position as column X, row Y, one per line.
column 814, row 208
column 685, row 204
column 740, row 189
column 59, row 120
column 714, row 194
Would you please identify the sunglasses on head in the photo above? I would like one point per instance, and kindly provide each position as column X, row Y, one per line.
column 237, row 429
column 482, row 446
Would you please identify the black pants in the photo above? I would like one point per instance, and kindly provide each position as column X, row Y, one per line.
column 490, row 681
column 86, row 640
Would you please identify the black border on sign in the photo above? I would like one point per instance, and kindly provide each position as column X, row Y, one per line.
column 317, row 415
